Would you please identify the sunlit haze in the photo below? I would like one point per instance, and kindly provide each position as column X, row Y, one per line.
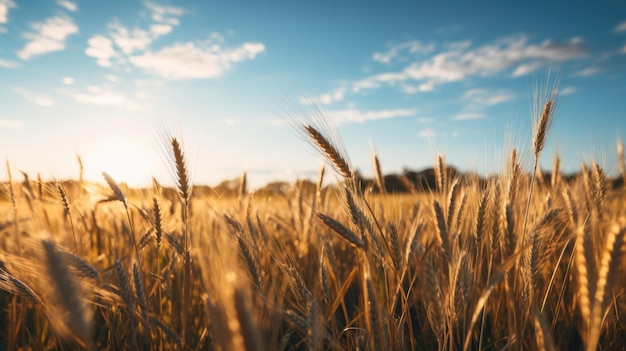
column 408, row 79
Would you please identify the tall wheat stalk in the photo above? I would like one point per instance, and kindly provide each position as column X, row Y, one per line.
column 542, row 124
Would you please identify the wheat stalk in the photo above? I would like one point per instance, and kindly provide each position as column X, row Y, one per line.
column 378, row 174
column 67, row 292
column 332, row 153
column 621, row 160
column 609, row 263
column 67, row 212
column 542, row 124
column 14, row 286
column 342, row 230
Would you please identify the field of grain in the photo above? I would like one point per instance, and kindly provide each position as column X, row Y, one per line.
column 521, row 260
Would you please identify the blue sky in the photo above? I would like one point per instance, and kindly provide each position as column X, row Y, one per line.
column 408, row 79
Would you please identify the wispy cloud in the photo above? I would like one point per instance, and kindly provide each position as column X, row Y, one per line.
column 458, row 61
column 481, row 97
column 527, row 68
column 427, row 133
column 586, row 72
column 5, row 6
column 8, row 64
column 192, row 61
column 205, row 59
column 397, row 51
column 112, row 78
column 158, row 30
column 9, row 124
column 468, row 116
column 325, row 99
column 68, row 80
column 68, row 5
column 478, row 100
column 164, row 17
column 620, row 28
column 103, row 97
column 48, row 36
column 37, row 99
column 567, row 91
column 129, row 40
column 355, row 115
column 408, row 88
column 164, row 14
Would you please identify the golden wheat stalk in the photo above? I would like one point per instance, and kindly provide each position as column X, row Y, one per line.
column 341, row 230
column 331, row 153
column 67, row 293
column 609, row 263
column 621, row 160
column 542, row 124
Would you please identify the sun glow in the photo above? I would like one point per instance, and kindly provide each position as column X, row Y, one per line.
column 125, row 159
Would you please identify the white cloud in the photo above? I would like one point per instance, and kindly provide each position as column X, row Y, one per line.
column 37, row 99
column 5, row 5
column 8, row 64
column 325, row 99
column 9, row 124
column 49, row 36
column 40, row 46
column 102, row 97
column 113, row 78
column 68, row 5
column 101, row 48
column 124, row 47
column 567, row 91
column 413, row 89
column 355, row 115
column 397, row 50
column 455, row 65
column 468, row 116
column 480, row 97
column 586, row 72
column 129, row 41
column 164, row 14
column 458, row 61
column 190, row 61
column 427, row 133
column 68, row 80
column 620, row 28
column 158, row 30
column 526, row 68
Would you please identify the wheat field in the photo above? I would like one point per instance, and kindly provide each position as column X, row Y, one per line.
column 525, row 259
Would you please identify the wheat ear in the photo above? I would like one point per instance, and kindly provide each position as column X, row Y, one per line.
column 378, row 174
column 333, row 155
column 622, row 160
column 541, row 128
column 67, row 293
column 340, row 229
